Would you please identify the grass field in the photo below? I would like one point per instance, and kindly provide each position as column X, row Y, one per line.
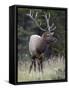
column 52, row 70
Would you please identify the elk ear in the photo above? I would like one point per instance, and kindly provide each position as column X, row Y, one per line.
column 52, row 33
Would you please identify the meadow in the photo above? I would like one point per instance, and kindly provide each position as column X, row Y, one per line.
column 53, row 69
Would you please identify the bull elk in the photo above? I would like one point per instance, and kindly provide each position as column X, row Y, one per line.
column 37, row 43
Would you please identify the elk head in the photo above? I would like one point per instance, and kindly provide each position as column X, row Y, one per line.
column 48, row 35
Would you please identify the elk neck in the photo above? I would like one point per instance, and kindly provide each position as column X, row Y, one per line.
column 44, row 36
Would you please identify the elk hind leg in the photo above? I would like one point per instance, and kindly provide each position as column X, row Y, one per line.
column 33, row 63
column 41, row 65
column 31, row 66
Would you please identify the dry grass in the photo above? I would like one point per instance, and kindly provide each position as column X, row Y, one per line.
column 53, row 70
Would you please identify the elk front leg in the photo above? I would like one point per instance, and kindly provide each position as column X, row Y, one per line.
column 39, row 65
column 34, row 65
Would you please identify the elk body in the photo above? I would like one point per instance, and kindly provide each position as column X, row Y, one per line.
column 37, row 44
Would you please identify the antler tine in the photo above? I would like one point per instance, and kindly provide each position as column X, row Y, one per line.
column 49, row 15
column 36, row 15
column 47, row 20
column 53, row 28
column 30, row 12
column 46, row 16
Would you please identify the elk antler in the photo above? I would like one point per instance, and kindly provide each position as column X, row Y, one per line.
column 47, row 18
column 52, row 27
column 34, row 19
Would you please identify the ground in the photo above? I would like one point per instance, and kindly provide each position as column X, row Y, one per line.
column 54, row 69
